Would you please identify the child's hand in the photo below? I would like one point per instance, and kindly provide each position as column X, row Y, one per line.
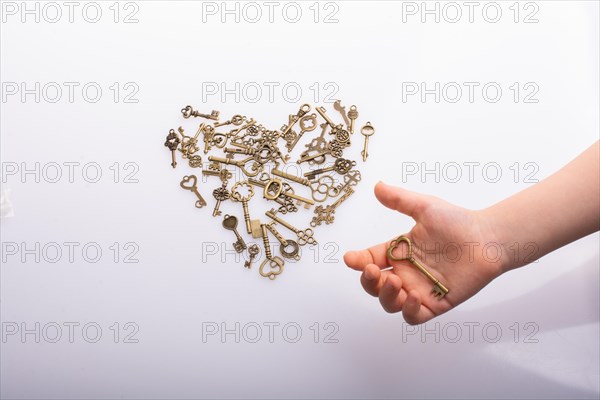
column 559, row 210
column 440, row 228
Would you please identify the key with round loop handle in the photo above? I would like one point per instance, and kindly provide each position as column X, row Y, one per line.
column 342, row 166
column 367, row 131
column 308, row 123
column 285, row 244
column 304, row 109
column 353, row 115
column 254, row 169
column 439, row 290
column 235, row 120
column 188, row 111
column 273, row 190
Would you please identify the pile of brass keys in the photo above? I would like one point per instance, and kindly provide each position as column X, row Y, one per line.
column 262, row 152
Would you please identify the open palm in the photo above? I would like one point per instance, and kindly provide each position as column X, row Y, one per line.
column 455, row 244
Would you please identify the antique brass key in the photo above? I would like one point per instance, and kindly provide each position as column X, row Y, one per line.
column 252, row 253
column 342, row 166
column 188, row 111
column 342, row 110
column 275, row 263
column 230, row 222
column 172, row 142
column 366, row 131
column 289, row 248
column 237, row 195
column 305, row 236
column 353, row 115
column 439, row 290
column 308, row 123
column 190, row 183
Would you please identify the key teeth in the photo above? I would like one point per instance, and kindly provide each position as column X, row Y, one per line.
column 438, row 293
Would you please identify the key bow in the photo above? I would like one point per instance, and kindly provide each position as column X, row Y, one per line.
column 395, row 243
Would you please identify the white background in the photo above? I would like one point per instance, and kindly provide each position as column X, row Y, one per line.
column 175, row 290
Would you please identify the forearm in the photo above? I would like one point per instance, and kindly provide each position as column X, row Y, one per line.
column 559, row 210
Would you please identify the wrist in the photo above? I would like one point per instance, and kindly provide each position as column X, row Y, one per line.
column 502, row 237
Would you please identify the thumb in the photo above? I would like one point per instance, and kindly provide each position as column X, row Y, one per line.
column 405, row 201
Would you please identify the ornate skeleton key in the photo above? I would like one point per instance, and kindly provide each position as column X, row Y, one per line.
column 335, row 151
column 195, row 161
column 230, row 222
column 220, row 194
column 350, row 179
column 323, row 214
column 285, row 244
column 353, row 115
column 326, row 213
column 172, row 142
column 252, row 252
column 305, row 108
column 234, row 132
column 222, row 173
column 304, row 236
column 254, row 170
column 237, row 196
column 272, row 186
column 439, row 290
column 189, row 145
column 323, row 188
column 189, row 183
column 235, row 120
column 285, row 201
column 188, row 111
column 208, row 137
column 275, row 263
column 342, row 110
column 288, row 191
column 318, row 145
column 341, row 166
column 308, row 123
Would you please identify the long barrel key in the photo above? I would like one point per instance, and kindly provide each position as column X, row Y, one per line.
column 439, row 290
column 304, row 236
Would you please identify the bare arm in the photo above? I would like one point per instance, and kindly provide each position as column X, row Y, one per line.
column 559, row 210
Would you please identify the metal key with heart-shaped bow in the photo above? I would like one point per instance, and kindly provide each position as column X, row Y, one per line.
column 189, row 182
column 439, row 290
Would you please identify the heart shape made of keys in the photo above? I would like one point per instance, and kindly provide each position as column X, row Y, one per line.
column 252, row 148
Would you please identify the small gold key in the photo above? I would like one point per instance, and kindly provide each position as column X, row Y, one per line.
column 439, row 290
